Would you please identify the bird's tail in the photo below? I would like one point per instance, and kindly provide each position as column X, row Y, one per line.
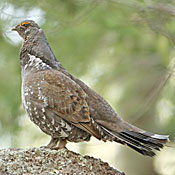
column 142, row 141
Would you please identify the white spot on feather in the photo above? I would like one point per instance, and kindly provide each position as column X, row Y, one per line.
column 26, row 93
column 63, row 134
column 52, row 121
column 57, row 128
column 25, row 67
column 43, row 122
column 62, row 124
column 45, row 101
column 44, row 117
column 36, row 64
column 65, row 125
column 68, row 128
column 43, row 109
column 28, row 103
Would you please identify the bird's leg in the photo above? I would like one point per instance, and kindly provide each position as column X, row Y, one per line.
column 62, row 143
column 53, row 143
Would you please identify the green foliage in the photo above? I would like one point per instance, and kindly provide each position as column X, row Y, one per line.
column 123, row 49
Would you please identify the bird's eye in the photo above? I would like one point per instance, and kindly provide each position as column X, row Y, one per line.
column 25, row 24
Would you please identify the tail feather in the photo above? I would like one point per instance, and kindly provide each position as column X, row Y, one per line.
column 136, row 145
column 148, row 141
column 142, row 151
column 143, row 142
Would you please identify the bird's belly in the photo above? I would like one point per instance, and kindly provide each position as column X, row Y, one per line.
column 23, row 97
column 58, row 128
column 51, row 123
column 44, row 117
column 63, row 129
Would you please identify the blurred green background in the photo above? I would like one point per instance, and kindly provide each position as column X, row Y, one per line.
column 122, row 49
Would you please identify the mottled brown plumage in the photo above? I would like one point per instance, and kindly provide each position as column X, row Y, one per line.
column 64, row 107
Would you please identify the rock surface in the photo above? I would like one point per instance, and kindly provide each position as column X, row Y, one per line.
column 43, row 161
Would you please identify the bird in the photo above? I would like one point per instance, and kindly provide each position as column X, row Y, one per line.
column 64, row 107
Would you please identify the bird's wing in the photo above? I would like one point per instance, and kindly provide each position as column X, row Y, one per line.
column 67, row 100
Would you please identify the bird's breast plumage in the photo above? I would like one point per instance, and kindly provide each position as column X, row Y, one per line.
column 49, row 106
column 66, row 108
column 33, row 64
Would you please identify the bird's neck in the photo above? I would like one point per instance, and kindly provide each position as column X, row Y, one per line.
column 32, row 64
column 36, row 54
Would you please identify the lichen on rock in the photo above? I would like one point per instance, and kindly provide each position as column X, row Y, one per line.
column 44, row 161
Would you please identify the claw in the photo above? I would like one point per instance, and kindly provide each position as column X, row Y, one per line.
column 54, row 142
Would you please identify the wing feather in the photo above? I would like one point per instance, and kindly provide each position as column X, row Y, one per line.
column 67, row 100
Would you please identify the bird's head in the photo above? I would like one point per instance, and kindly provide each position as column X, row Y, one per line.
column 27, row 28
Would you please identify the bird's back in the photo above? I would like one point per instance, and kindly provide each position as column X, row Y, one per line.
column 63, row 106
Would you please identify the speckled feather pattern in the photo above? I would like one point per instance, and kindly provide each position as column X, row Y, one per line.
column 66, row 108
column 49, row 97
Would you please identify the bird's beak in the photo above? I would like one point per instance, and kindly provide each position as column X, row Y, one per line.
column 14, row 29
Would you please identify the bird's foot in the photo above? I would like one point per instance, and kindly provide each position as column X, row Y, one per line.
column 53, row 144
column 62, row 144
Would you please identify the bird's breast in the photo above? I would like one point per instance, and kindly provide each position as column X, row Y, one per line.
column 31, row 64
